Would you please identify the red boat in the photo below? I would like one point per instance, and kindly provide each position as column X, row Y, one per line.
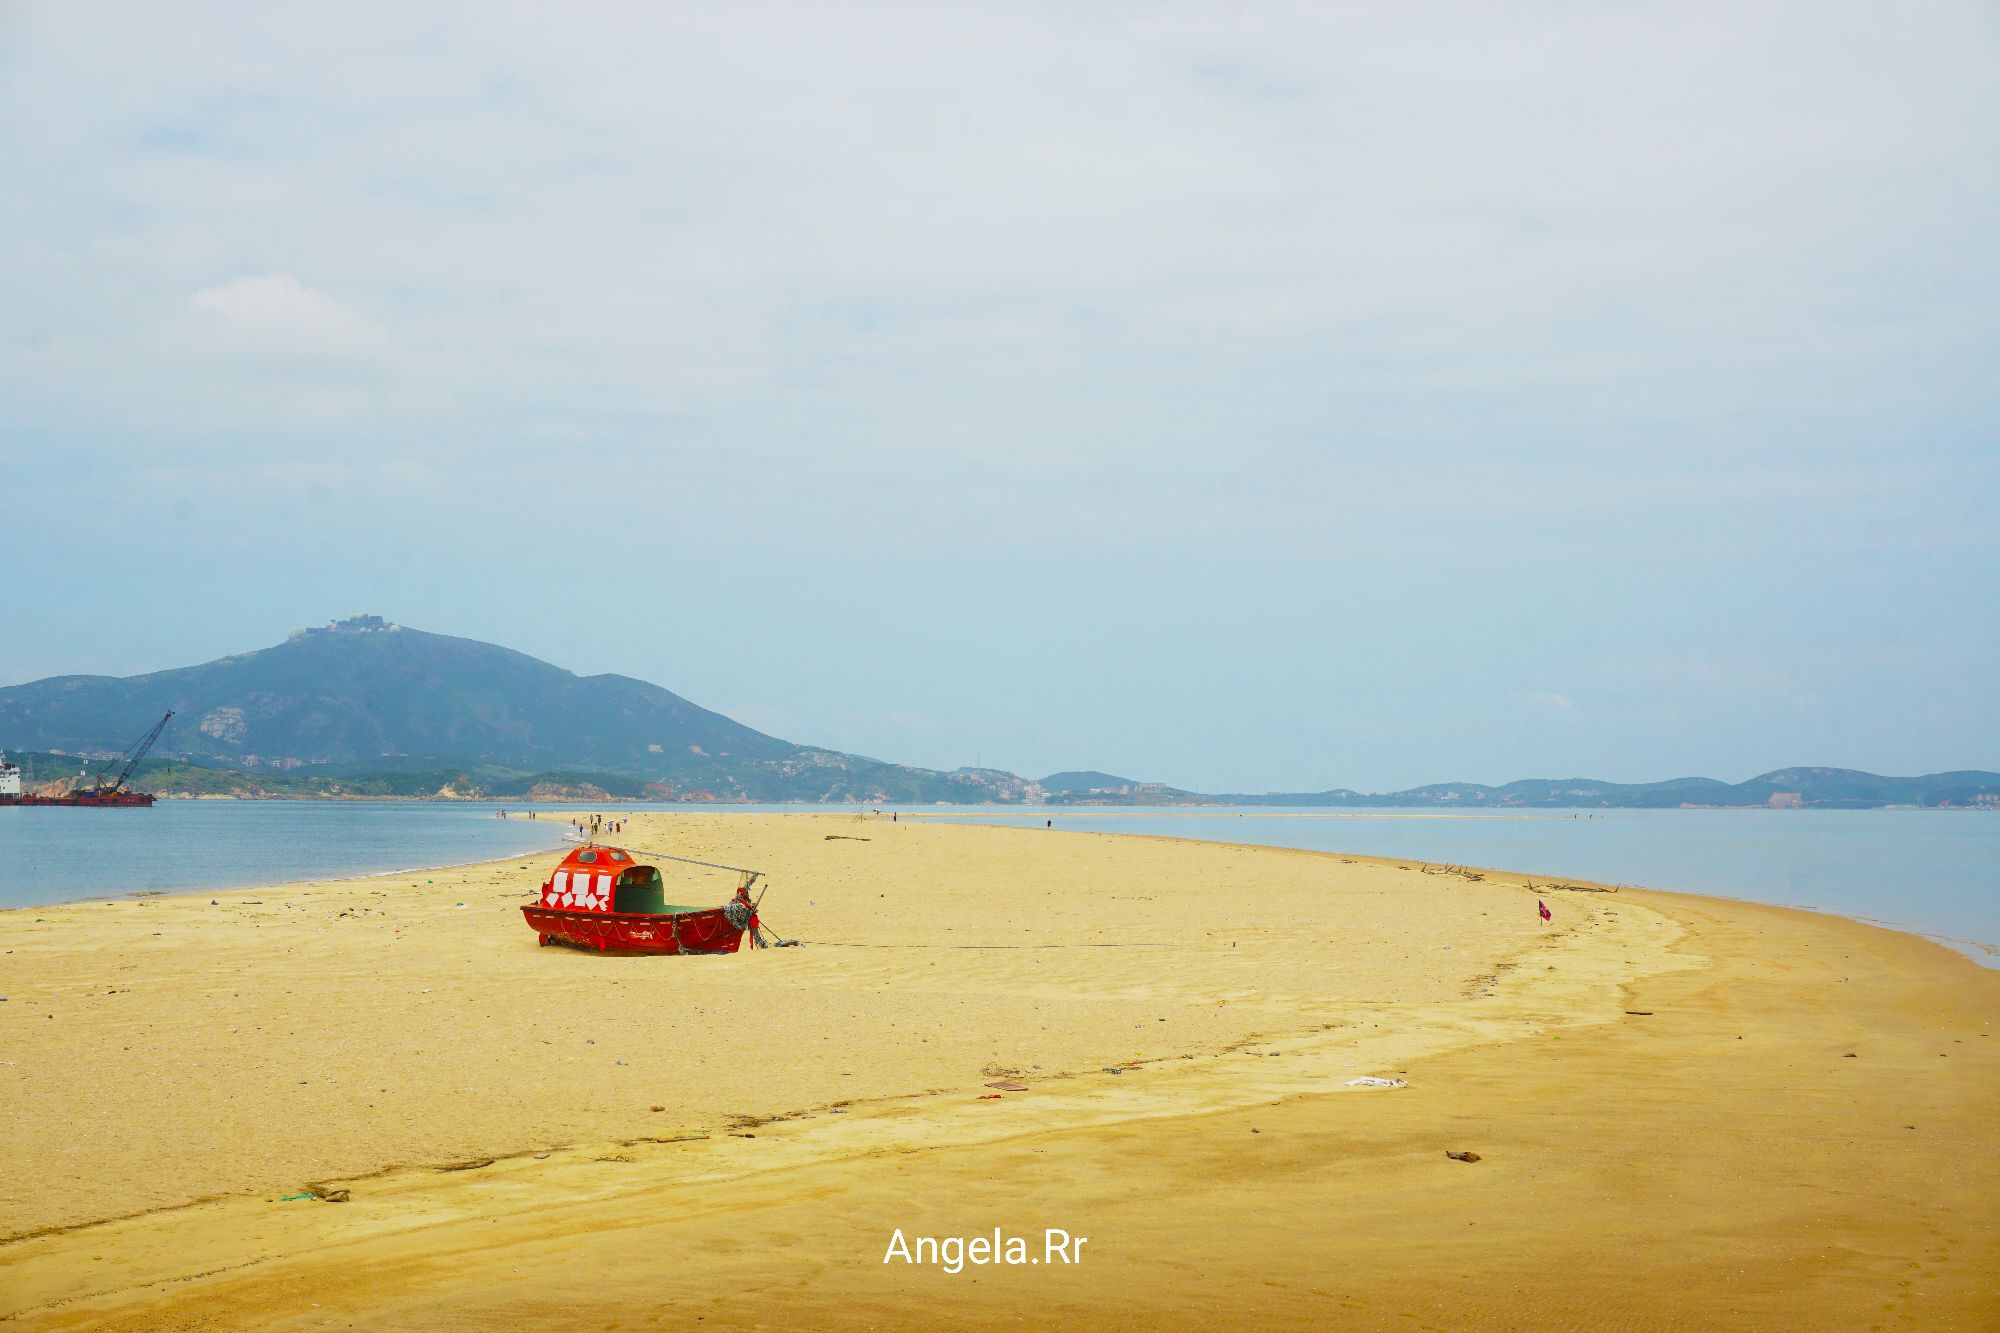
column 601, row 898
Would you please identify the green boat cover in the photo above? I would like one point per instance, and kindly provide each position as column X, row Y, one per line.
column 641, row 889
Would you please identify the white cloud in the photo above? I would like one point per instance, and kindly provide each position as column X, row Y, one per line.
column 1546, row 702
column 276, row 314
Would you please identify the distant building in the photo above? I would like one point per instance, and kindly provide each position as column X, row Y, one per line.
column 1787, row 800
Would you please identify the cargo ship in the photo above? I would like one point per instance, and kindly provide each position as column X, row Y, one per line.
column 106, row 789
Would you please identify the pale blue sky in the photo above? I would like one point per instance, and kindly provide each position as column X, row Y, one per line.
column 1246, row 398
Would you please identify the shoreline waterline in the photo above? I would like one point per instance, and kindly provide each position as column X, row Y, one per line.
column 1983, row 952
column 1905, row 869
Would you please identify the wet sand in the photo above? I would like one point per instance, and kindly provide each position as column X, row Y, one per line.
column 1670, row 1127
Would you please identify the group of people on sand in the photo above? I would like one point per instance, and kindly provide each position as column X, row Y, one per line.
column 595, row 825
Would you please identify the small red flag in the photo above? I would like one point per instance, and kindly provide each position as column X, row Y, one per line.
column 1543, row 908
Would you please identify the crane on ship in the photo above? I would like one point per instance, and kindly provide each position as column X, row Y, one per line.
column 110, row 786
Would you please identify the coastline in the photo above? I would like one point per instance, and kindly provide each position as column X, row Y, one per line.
column 1484, row 1013
column 1980, row 952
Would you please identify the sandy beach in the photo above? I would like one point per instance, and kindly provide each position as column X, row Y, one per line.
column 1688, row 1113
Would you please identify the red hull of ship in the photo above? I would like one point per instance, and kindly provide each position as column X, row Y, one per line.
column 634, row 932
column 123, row 798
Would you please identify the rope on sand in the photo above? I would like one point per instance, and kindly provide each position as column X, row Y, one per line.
column 858, row 944
column 754, row 875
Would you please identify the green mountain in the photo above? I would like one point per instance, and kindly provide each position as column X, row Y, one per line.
column 362, row 698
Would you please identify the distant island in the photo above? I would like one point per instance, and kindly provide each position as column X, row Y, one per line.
column 364, row 709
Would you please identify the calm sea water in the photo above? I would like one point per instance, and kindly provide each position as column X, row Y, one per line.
column 51, row 854
column 1932, row 871
column 1936, row 872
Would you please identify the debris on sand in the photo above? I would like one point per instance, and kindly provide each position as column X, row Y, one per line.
column 1462, row 1156
column 1370, row 1081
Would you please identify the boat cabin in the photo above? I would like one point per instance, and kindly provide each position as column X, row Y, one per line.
column 606, row 879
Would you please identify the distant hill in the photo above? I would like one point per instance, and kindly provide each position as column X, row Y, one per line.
column 366, row 696
column 1090, row 787
column 1073, row 783
column 366, row 708
column 1823, row 788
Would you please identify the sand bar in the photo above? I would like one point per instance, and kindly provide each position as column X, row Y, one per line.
column 1670, row 1126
